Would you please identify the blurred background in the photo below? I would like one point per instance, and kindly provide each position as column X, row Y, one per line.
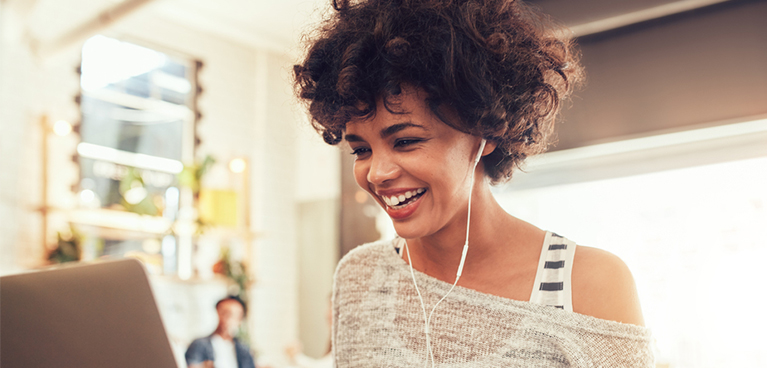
column 167, row 130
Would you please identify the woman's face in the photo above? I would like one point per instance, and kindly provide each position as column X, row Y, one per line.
column 414, row 165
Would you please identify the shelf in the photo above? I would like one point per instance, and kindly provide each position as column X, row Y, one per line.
column 119, row 224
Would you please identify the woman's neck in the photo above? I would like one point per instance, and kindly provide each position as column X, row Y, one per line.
column 439, row 254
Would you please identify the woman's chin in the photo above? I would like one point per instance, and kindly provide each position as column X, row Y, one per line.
column 409, row 230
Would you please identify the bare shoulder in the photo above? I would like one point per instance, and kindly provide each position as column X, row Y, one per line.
column 603, row 287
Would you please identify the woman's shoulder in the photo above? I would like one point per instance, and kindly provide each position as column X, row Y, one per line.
column 366, row 256
column 368, row 250
column 603, row 287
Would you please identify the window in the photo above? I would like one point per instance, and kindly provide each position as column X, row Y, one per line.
column 137, row 129
column 692, row 237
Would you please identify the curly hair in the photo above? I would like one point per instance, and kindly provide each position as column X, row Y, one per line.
column 499, row 64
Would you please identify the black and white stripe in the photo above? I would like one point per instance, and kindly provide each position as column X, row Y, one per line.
column 552, row 280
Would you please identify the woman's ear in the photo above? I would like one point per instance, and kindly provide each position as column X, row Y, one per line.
column 489, row 148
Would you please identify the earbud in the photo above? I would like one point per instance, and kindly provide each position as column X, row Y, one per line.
column 479, row 153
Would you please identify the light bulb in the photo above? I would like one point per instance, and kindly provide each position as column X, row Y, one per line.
column 237, row 165
column 62, row 128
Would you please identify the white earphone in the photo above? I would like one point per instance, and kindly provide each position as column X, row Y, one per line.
column 427, row 320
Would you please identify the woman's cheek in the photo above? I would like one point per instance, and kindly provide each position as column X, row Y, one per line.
column 360, row 175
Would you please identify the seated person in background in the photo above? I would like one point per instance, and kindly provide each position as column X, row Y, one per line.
column 221, row 349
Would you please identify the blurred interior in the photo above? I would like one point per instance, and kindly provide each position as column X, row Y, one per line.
column 167, row 130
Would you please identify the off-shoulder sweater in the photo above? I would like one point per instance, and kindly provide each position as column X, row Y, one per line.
column 378, row 322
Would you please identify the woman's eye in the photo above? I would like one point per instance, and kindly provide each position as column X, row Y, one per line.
column 360, row 151
column 406, row 142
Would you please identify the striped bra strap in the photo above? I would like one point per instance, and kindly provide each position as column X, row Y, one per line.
column 552, row 280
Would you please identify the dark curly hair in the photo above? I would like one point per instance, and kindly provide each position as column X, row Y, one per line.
column 503, row 67
column 236, row 299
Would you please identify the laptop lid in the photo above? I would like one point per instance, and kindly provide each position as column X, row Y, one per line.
column 86, row 316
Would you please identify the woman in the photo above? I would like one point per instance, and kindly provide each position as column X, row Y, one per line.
column 439, row 99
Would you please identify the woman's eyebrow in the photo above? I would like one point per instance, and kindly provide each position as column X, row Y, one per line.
column 397, row 127
column 353, row 138
column 385, row 132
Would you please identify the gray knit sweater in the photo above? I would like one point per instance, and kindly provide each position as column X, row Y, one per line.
column 378, row 322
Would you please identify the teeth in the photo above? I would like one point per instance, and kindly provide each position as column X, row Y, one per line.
column 397, row 199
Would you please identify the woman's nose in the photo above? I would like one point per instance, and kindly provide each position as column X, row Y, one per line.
column 382, row 169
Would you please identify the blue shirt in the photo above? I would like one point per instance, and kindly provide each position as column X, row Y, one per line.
column 201, row 350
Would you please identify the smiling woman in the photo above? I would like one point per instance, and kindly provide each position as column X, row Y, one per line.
column 423, row 91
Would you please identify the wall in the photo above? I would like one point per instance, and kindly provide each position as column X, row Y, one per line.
column 29, row 89
column 318, row 255
column 317, row 193
column 13, row 129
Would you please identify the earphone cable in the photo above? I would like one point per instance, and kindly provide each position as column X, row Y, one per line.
column 427, row 320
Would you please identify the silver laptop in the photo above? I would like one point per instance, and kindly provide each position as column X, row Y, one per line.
column 100, row 315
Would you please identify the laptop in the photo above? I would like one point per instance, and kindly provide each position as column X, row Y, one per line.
column 98, row 315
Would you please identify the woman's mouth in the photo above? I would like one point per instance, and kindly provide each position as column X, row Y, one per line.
column 400, row 201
